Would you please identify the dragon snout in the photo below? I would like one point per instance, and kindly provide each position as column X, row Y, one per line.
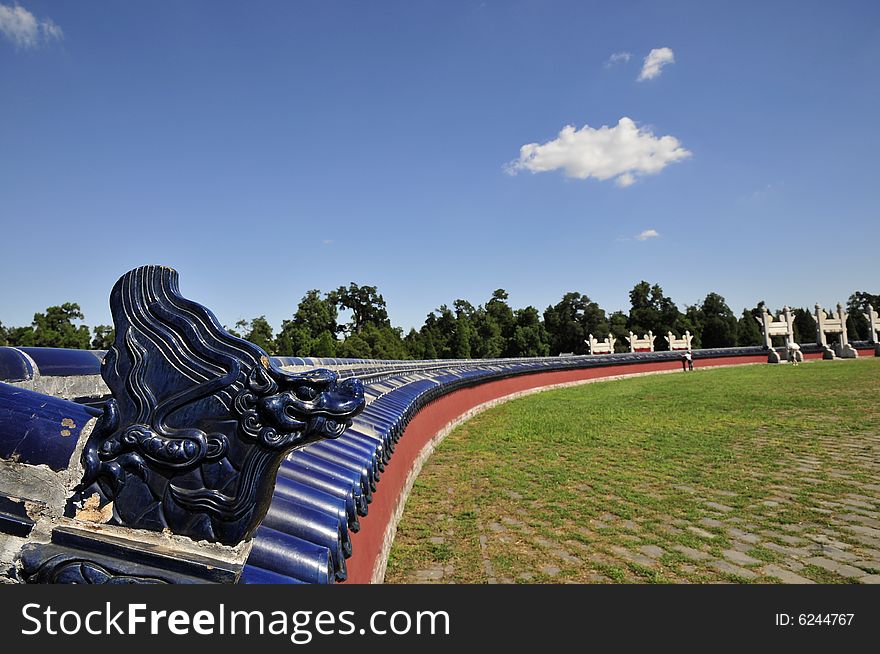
column 322, row 406
column 339, row 403
column 347, row 397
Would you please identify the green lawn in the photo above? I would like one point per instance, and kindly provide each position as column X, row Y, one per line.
column 709, row 476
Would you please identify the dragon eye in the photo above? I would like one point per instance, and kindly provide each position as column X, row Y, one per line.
column 306, row 393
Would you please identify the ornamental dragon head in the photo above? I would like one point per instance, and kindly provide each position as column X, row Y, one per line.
column 200, row 420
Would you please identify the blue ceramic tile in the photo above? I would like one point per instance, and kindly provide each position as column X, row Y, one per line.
column 58, row 362
column 40, row 429
column 14, row 366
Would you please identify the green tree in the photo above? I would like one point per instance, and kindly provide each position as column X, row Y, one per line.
column 644, row 313
column 384, row 342
column 415, row 344
column 55, row 328
column 857, row 326
column 447, row 334
column 260, row 333
column 20, row 336
column 718, row 322
column 651, row 310
column 565, row 324
column 594, row 319
column 499, row 312
column 316, row 314
column 293, row 341
column 366, row 304
column 469, row 332
column 690, row 321
column 804, row 326
column 355, row 347
column 443, row 329
column 420, row 344
column 617, row 327
column 492, row 341
column 860, row 300
column 461, row 344
column 314, row 317
column 324, row 345
column 104, row 335
column 748, row 331
column 466, row 341
column 2, row 334
column 239, row 328
column 530, row 339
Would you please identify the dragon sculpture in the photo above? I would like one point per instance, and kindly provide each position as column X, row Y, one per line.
column 200, row 420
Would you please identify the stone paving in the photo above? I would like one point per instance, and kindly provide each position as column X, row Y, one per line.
column 795, row 534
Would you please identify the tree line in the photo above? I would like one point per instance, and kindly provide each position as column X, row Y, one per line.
column 464, row 331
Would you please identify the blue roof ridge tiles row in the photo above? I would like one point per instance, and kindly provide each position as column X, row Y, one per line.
column 19, row 364
column 64, row 373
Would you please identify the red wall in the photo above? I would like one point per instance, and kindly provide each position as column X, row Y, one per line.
column 367, row 543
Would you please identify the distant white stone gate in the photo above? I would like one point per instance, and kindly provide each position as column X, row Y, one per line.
column 833, row 324
column 601, row 347
column 781, row 326
column 641, row 344
column 678, row 344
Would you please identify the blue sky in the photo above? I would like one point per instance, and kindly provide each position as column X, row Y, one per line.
column 266, row 148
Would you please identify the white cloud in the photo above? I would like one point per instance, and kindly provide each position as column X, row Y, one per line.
column 623, row 152
column 51, row 30
column 23, row 28
column 627, row 179
column 654, row 62
column 648, row 233
column 617, row 58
